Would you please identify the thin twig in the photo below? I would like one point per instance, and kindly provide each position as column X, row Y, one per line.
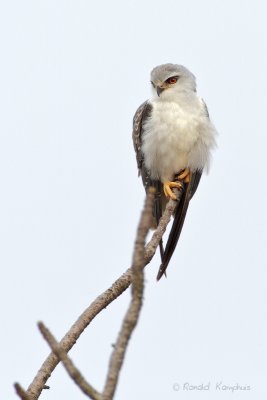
column 133, row 312
column 73, row 372
column 21, row 392
column 101, row 302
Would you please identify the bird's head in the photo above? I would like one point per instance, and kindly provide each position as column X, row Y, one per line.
column 169, row 79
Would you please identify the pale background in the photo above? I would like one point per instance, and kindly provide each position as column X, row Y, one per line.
column 72, row 75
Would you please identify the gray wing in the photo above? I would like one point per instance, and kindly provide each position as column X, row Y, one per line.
column 141, row 115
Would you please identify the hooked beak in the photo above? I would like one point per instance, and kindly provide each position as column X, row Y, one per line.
column 159, row 90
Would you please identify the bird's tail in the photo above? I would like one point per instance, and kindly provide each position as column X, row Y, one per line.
column 179, row 217
column 174, row 235
column 158, row 209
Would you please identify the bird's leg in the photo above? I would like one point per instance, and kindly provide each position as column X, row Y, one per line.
column 167, row 188
column 185, row 175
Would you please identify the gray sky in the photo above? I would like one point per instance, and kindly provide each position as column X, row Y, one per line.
column 72, row 76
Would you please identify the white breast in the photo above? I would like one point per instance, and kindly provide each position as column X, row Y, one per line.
column 177, row 136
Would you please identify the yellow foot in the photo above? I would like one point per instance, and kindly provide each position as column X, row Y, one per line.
column 167, row 188
column 185, row 175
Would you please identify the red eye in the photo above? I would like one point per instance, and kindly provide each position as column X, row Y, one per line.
column 172, row 80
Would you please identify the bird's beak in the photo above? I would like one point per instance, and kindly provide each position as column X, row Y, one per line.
column 159, row 90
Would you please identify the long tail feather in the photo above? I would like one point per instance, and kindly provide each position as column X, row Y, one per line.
column 158, row 211
column 178, row 222
column 174, row 234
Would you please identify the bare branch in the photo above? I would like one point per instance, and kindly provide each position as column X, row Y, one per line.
column 132, row 315
column 101, row 302
column 73, row 372
column 21, row 392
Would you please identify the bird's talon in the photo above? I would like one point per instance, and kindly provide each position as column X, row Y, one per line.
column 187, row 178
column 184, row 175
column 167, row 188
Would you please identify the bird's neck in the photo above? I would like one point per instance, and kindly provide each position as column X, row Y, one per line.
column 179, row 97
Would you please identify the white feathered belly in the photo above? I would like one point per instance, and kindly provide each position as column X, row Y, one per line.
column 174, row 139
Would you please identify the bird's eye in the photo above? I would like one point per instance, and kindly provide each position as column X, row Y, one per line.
column 172, row 80
column 152, row 84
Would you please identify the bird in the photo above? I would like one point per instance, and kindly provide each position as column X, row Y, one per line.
column 173, row 138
